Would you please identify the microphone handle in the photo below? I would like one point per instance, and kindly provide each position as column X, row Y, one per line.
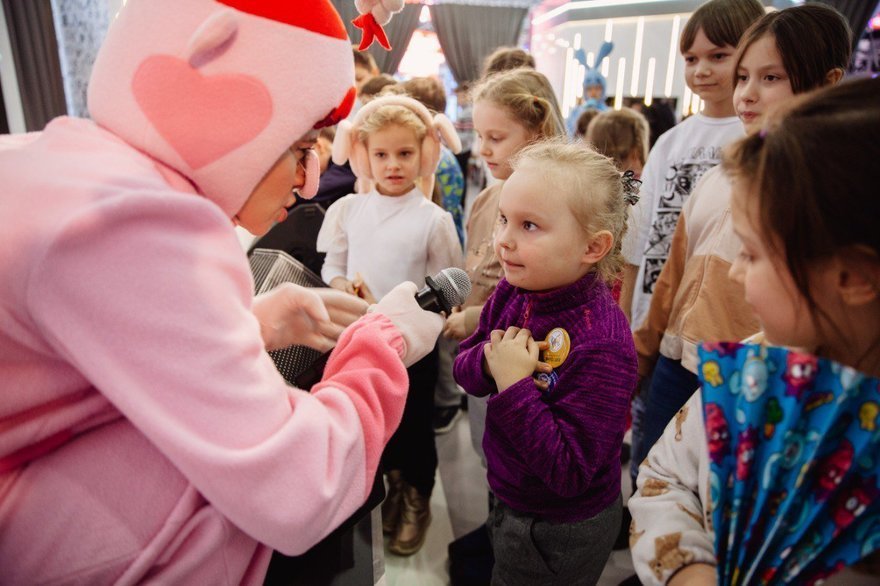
column 430, row 297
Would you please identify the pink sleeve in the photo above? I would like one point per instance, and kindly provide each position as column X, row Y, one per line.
column 376, row 382
column 148, row 298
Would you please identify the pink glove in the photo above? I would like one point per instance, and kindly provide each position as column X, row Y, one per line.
column 419, row 328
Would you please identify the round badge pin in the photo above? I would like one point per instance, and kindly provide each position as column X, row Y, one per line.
column 559, row 344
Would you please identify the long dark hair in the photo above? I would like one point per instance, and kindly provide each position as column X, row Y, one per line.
column 812, row 170
column 812, row 40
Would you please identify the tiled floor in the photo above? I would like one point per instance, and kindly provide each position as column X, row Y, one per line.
column 458, row 506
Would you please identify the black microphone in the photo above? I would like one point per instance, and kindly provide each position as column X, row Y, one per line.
column 445, row 290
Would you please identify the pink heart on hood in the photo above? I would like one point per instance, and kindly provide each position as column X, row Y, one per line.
column 202, row 117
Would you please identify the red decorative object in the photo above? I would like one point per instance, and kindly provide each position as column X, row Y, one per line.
column 371, row 30
column 340, row 112
column 318, row 16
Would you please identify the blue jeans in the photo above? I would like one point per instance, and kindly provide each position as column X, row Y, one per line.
column 671, row 386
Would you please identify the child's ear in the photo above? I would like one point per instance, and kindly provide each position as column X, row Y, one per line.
column 598, row 247
column 858, row 278
column 834, row 76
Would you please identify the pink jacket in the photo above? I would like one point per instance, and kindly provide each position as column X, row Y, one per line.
column 144, row 431
column 145, row 434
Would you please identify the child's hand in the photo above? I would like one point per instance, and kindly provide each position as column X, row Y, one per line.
column 697, row 574
column 455, row 327
column 343, row 284
column 542, row 368
column 361, row 289
column 511, row 356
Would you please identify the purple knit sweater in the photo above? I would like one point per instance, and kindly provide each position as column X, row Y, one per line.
column 556, row 454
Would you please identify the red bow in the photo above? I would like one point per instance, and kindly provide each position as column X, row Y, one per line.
column 371, row 30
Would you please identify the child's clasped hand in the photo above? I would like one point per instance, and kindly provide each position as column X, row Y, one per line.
column 513, row 355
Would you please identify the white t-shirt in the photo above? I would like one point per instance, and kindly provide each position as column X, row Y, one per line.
column 675, row 164
column 387, row 240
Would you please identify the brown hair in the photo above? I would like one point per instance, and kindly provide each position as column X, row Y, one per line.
column 583, row 121
column 506, row 58
column 528, row 96
column 812, row 39
column 427, row 90
column 591, row 183
column 619, row 133
column 722, row 21
column 328, row 133
column 375, row 86
column 364, row 59
column 810, row 170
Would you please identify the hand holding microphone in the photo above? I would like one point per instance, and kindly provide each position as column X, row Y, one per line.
column 416, row 314
column 418, row 327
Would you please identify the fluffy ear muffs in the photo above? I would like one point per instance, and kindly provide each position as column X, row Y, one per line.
column 347, row 147
column 444, row 126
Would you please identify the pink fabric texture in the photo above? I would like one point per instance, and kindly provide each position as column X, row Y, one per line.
column 306, row 73
column 127, row 327
column 145, row 434
column 384, row 409
column 183, row 106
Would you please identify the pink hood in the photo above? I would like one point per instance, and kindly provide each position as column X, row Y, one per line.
column 218, row 92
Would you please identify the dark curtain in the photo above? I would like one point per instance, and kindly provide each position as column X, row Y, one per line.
column 400, row 30
column 37, row 65
column 4, row 121
column 857, row 12
column 468, row 34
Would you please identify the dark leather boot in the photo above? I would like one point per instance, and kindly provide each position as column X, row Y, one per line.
column 392, row 503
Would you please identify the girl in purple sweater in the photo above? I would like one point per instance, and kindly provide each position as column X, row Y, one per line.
column 556, row 354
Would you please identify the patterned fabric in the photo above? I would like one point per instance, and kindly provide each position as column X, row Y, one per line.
column 678, row 160
column 451, row 182
column 793, row 443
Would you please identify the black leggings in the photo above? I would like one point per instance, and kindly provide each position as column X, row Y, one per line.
column 411, row 449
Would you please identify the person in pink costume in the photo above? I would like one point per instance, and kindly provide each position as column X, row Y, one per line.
column 145, row 434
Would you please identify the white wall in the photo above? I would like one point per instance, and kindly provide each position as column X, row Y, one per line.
column 9, row 79
column 114, row 6
column 552, row 46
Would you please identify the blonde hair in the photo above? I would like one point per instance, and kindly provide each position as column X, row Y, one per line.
column 528, row 96
column 591, row 183
column 618, row 134
column 389, row 115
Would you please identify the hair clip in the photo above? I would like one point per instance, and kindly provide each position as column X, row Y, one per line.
column 631, row 187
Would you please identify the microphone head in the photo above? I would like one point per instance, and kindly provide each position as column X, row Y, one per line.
column 454, row 284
